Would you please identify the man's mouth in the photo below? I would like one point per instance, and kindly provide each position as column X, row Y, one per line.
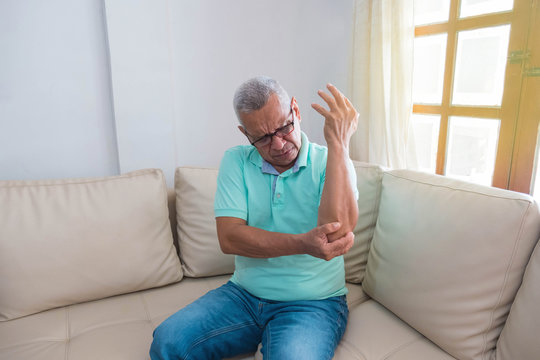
column 283, row 154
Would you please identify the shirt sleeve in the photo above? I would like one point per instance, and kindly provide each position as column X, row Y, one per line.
column 231, row 194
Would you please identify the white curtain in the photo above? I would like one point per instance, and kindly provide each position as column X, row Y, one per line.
column 381, row 85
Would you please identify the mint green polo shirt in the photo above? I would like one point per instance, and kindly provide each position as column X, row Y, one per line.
column 249, row 188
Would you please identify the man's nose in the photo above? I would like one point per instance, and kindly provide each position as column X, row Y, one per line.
column 277, row 142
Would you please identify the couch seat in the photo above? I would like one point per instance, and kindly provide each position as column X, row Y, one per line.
column 115, row 328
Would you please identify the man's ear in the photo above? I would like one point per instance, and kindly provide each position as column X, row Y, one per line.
column 242, row 130
column 296, row 109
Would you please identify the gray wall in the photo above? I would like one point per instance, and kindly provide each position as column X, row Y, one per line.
column 56, row 117
column 98, row 87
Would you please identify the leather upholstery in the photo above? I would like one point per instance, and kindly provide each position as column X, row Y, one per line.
column 73, row 240
column 520, row 336
column 447, row 257
column 115, row 328
column 200, row 252
column 438, row 248
column 368, row 178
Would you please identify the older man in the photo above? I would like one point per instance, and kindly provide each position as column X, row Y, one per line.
column 286, row 207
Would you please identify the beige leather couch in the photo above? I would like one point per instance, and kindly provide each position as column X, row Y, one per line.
column 441, row 269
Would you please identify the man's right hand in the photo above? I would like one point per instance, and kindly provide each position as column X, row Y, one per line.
column 318, row 245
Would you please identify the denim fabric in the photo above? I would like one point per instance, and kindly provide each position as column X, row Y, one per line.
column 228, row 321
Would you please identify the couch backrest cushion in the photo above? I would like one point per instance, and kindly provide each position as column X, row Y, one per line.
column 200, row 252
column 368, row 179
column 74, row 240
column 520, row 335
column 448, row 257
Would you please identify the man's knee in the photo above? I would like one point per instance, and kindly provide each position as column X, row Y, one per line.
column 299, row 349
column 166, row 343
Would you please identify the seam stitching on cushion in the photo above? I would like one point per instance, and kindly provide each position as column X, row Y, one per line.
column 505, row 280
column 457, row 189
column 145, row 306
column 401, row 347
column 109, row 324
column 60, row 340
column 354, row 350
column 68, row 331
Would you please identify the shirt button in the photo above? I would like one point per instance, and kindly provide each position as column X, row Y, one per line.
column 278, row 195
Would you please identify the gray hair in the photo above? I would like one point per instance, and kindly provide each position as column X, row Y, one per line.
column 253, row 94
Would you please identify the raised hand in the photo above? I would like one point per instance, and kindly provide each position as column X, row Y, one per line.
column 341, row 120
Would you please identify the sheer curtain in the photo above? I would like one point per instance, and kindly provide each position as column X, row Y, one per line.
column 381, row 82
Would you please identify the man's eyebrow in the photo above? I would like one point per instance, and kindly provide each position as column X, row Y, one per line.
column 279, row 127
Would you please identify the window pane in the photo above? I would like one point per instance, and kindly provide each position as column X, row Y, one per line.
column 425, row 132
column 431, row 11
column 480, row 7
column 480, row 65
column 472, row 147
column 428, row 74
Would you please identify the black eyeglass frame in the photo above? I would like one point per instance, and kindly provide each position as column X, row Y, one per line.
column 275, row 133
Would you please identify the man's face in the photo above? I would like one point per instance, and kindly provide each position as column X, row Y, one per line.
column 280, row 152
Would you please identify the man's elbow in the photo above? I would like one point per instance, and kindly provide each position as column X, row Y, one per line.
column 224, row 244
column 348, row 219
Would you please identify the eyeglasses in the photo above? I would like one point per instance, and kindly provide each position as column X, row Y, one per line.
column 281, row 133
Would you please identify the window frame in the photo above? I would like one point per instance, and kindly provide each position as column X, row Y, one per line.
column 514, row 163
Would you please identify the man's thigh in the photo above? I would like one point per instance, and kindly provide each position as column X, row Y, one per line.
column 305, row 330
column 217, row 325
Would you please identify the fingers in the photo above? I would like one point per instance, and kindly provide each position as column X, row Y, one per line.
column 339, row 247
column 338, row 96
column 335, row 101
column 318, row 108
column 330, row 227
column 343, row 244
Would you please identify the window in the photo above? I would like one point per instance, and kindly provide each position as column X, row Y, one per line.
column 475, row 90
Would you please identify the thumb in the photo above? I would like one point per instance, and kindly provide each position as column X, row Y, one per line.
column 331, row 227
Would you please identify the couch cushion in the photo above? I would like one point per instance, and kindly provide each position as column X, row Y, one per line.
column 447, row 257
column 374, row 333
column 519, row 337
column 199, row 249
column 116, row 328
column 368, row 179
column 200, row 252
column 68, row 241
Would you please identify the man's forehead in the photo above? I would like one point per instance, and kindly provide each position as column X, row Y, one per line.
column 271, row 116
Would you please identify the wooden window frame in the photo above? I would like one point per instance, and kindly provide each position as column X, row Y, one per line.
column 518, row 112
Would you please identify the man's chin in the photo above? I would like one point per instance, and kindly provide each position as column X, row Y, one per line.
column 287, row 156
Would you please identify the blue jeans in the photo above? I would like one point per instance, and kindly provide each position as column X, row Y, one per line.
column 229, row 321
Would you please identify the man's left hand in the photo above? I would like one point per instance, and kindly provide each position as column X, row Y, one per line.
column 341, row 120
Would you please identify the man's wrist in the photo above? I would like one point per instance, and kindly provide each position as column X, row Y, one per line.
column 301, row 241
column 338, row 147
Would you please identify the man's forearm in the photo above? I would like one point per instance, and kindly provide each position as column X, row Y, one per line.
column 235, row 237
column 338, row 201
column 238, row 238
